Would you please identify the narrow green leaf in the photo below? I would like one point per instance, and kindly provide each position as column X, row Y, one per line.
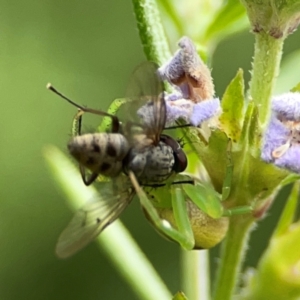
column 296, row 88
column 231, row 14
column 233, row 106
column 254, row 134
column 289, row 75
column 136, row 265
column 170, row 10
column 291, row 178
column 179, row 296
column 205, row 198
column 288, row 214
column 244, row 138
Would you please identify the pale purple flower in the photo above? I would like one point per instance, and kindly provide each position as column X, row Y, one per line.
column 184, row 109
column 205, row 110
column 193, row 113
column 179, row 109
column 192, row 98
column 186, row 71
column 281, row 144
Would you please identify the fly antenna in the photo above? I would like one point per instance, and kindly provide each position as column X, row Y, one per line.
column 115, row 120
column 54, row 90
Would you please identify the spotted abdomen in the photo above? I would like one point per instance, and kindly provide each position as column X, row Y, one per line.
column 100, row 152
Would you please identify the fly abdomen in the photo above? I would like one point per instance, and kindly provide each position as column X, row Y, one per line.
column 100, row 152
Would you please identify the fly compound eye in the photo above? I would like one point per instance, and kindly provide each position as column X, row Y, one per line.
column 180, row 161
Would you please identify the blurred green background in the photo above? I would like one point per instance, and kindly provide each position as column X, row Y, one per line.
column 87, row 50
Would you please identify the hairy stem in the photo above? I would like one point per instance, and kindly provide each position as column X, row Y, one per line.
column 267, row 56
column 151, row 31
column 233, row 251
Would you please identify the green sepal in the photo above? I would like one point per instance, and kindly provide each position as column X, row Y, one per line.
column 276, row 17
column 205, row 198
column 251, row 133
column 264, row 177
column 233, row 107
column 214, row 154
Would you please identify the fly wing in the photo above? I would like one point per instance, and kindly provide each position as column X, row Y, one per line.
column 146, row 94
column 92, row 218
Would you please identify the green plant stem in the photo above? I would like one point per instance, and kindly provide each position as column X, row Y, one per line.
column 267, row 56
column 115, row 241
column 195, row 274
column 232, row 254
column 151, row 31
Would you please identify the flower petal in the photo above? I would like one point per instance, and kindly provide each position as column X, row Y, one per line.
column 205, row 110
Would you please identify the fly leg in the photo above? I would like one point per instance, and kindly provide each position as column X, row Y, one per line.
column 76, row 130
column 77, row 122
column 184, row 234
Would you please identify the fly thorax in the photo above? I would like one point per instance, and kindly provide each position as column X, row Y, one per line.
column 101, row 153
column 152, row 164
column 141, row 141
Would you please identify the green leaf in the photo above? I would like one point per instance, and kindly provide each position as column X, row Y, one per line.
column 288, row 214
column 261, row 178
column 233, row 105
column 291, row 178
column 278, row 275
column 264, row 177
column 289, row 75
column 136, row 266
column 246, row 124
column 205, row 198
column 296, row 88
column 170, row 10
column 215, row 154
column 251, row 132
column 179, row 296
column 230, row 18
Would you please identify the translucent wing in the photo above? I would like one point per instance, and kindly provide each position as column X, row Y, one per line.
column 146, row 92
column 92, row 218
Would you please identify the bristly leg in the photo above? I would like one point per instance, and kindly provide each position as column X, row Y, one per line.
column 77, row 122
column 184, row 235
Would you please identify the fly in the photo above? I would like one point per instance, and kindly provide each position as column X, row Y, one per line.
column 136, row 150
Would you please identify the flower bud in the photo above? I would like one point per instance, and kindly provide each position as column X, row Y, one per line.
column 274, row 17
